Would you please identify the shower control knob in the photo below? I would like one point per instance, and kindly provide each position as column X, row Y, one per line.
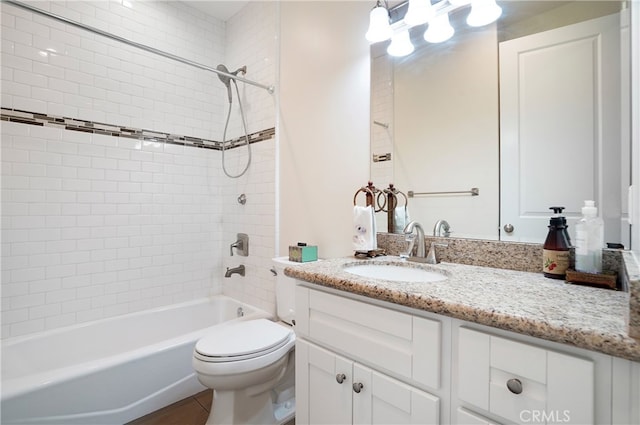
column 357, row 387
column 340, row 378
column 508, row 228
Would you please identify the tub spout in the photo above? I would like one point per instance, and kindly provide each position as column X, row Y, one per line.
column 239, row 270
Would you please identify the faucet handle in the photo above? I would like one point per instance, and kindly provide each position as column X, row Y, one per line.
column 241, row 244
column 431, row 257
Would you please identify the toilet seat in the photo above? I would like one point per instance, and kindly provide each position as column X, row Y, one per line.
column 259, row 338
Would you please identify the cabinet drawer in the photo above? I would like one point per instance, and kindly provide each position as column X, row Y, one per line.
column 519, row 381
column 382, row 338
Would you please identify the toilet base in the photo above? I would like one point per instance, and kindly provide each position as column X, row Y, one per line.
column 237, row 407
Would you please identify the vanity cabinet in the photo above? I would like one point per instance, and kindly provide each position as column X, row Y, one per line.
column 369, row 361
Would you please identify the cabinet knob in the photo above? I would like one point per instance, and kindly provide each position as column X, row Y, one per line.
column 340, row 378
column 357, row 387
column 514, row 385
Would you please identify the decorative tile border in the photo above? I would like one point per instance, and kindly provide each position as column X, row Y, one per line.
column 44, row 120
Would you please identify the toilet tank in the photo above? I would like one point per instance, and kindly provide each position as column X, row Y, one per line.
column 285, row 290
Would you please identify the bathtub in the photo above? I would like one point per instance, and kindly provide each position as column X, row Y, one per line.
column 110, row 371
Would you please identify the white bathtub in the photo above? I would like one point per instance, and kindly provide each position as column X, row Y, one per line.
column 110, row 371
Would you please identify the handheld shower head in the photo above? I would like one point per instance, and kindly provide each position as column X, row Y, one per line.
column 225, row 80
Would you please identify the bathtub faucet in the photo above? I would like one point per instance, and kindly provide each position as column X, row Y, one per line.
column 239, row 270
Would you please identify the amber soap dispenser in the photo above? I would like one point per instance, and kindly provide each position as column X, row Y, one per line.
column 555, row 251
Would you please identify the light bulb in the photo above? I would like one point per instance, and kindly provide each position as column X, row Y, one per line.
column 379, row 28
column 419, row 12
column 400, row 44
column 439, row 29
column 483, row 12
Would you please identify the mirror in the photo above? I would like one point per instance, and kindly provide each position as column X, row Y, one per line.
column 446, row 115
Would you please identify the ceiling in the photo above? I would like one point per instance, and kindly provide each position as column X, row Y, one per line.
column 221, row 9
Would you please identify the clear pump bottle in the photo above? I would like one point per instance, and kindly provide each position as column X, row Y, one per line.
column 589, row 240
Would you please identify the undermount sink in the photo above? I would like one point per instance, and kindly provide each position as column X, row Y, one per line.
column 395, row 272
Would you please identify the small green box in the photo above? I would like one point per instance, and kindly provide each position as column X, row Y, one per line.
column 303, row 253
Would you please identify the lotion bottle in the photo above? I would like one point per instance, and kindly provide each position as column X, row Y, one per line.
column 555, row 251
column 589, row 240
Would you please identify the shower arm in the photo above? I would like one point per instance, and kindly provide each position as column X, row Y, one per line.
column 149, row 49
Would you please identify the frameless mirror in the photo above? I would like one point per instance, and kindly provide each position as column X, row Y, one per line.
column 529, row 112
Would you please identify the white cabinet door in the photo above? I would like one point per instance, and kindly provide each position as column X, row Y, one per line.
column 364, row 396
column 323, row 386
column 560, row 127
column 384, row 400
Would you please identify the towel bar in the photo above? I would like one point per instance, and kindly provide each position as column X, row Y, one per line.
column 473, row 192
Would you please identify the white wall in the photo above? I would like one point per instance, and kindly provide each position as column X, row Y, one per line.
column 323, row 122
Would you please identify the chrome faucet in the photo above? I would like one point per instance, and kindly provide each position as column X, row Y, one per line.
column 439, row 227
column 420, row 251
column 239, row 270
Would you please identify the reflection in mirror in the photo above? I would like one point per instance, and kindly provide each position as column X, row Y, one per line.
column 529, row 110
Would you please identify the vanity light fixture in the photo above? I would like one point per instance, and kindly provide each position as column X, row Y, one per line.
column 400, row 44
column 419, row 12
column 483, row 12
column 379, row 26
column 436, row 16
column 439, row 30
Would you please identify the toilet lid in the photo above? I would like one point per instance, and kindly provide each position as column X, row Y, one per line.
column 242, row 340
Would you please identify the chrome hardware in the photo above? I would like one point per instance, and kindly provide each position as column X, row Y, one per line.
column 241, row 244
column 236, row 270
column 440, row 226
column 514, row 385
column 431, row 257
column 242, row 199
column 508, row 228
column 474, row 191
column 357, row 387
column 381, row 157
column 273, row 271
column 340, row 378
column 420, row 252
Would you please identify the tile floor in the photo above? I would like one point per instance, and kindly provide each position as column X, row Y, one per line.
column 190, row 411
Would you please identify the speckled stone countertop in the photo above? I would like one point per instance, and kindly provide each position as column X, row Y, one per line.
column 522, row 302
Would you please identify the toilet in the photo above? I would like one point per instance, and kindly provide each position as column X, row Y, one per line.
column 250, row 364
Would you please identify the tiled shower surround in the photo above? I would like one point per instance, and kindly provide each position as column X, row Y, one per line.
column 135, row 213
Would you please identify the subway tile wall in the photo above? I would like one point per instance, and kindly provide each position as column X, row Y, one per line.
column 95, row 226
column 54, row 68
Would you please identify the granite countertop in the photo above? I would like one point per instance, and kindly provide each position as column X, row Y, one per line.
column 522, row 302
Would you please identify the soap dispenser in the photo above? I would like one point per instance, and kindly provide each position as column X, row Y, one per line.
column 555, row 251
